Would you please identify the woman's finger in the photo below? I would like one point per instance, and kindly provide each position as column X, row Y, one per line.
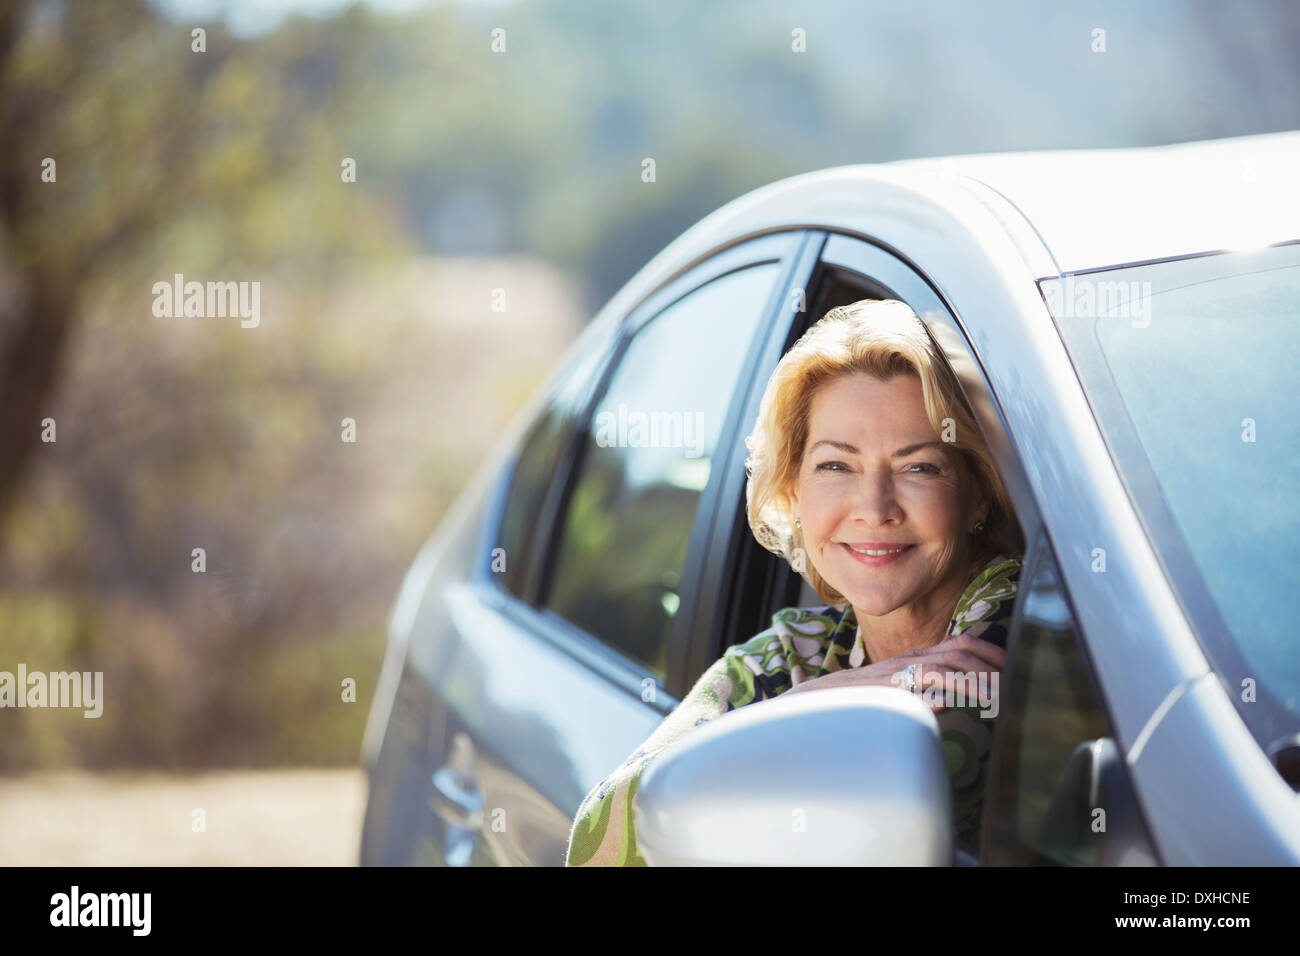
column 962, row 687
column 957, row 660
column 984, row 649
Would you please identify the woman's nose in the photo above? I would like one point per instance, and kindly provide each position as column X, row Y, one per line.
column 874, row 501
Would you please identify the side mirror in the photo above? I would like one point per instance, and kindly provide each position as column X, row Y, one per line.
column 846, row 776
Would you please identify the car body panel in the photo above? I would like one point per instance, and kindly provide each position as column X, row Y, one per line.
column 544, row 727
column 1220, row 801
column 1098, row 208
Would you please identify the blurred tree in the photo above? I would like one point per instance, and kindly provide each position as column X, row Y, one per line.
column 98, row 89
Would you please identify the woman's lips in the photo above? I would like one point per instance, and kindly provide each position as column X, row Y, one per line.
column 876, row 561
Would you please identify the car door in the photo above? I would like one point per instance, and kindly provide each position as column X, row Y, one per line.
column 425, row 805
column 579, row 640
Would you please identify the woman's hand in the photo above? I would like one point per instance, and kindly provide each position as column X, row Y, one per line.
column 961, row 654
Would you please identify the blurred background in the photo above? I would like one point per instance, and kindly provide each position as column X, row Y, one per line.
column 475, row 170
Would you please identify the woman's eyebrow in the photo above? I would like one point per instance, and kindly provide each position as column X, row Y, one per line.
column 841, row 445
column 852, row 449
column 911, row 448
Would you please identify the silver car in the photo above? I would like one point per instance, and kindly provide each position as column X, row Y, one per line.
column 1126, row 326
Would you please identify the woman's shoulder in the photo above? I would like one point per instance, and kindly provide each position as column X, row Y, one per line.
column 814, row 623
column 803, row 634
column 991, row 593
column 796, row 641
column 793, row 649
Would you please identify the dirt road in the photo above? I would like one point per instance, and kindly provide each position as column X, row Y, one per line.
column 252, row 817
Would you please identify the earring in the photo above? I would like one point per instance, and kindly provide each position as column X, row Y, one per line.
column 797, row 525
column 979, row 526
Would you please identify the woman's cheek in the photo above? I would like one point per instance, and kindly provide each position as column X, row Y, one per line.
column 934, row 508
column 822, row 506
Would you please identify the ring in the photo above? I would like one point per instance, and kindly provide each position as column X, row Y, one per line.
column 908, row 675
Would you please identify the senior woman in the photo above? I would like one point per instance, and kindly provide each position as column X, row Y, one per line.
column 868, row 474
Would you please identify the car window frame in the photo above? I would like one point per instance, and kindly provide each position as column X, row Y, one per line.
column 745, row 252
column 888, row 270
column 891, row 270
column 716, row 556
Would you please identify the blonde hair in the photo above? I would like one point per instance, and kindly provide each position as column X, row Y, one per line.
column 883, row 338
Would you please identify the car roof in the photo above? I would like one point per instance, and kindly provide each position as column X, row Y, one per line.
column 1035, row 214
column 1095, row 208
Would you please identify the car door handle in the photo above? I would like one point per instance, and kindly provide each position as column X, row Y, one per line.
column 457, row 799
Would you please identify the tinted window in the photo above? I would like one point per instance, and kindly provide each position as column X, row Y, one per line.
column 645, row 461
column 1063, row 798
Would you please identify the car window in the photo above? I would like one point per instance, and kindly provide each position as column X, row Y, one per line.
column 645, row 460
column 849, row 270
column 1190, row 366
column 536, row 467
column 1062, row 793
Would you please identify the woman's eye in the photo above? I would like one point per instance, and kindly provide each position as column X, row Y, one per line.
column 829, row 466
column 929, row 468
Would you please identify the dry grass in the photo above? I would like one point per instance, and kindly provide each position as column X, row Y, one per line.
column 253, row 817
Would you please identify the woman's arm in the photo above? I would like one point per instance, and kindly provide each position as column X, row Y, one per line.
column 763, row 667
column 779, row 660
column 604, row 833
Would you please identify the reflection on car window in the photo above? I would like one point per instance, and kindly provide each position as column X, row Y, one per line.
column 1204, row 378
column 646, row 460
column 1045, row 812
column 535, row 468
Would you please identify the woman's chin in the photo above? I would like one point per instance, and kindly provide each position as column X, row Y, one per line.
column 872, row 603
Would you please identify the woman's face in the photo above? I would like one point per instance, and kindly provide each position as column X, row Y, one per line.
column 876, row 477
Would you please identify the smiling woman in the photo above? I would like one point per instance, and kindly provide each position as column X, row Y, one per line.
column 869, row 370
column 867, row 472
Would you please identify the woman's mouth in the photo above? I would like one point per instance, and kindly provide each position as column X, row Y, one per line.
column 876, row 555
